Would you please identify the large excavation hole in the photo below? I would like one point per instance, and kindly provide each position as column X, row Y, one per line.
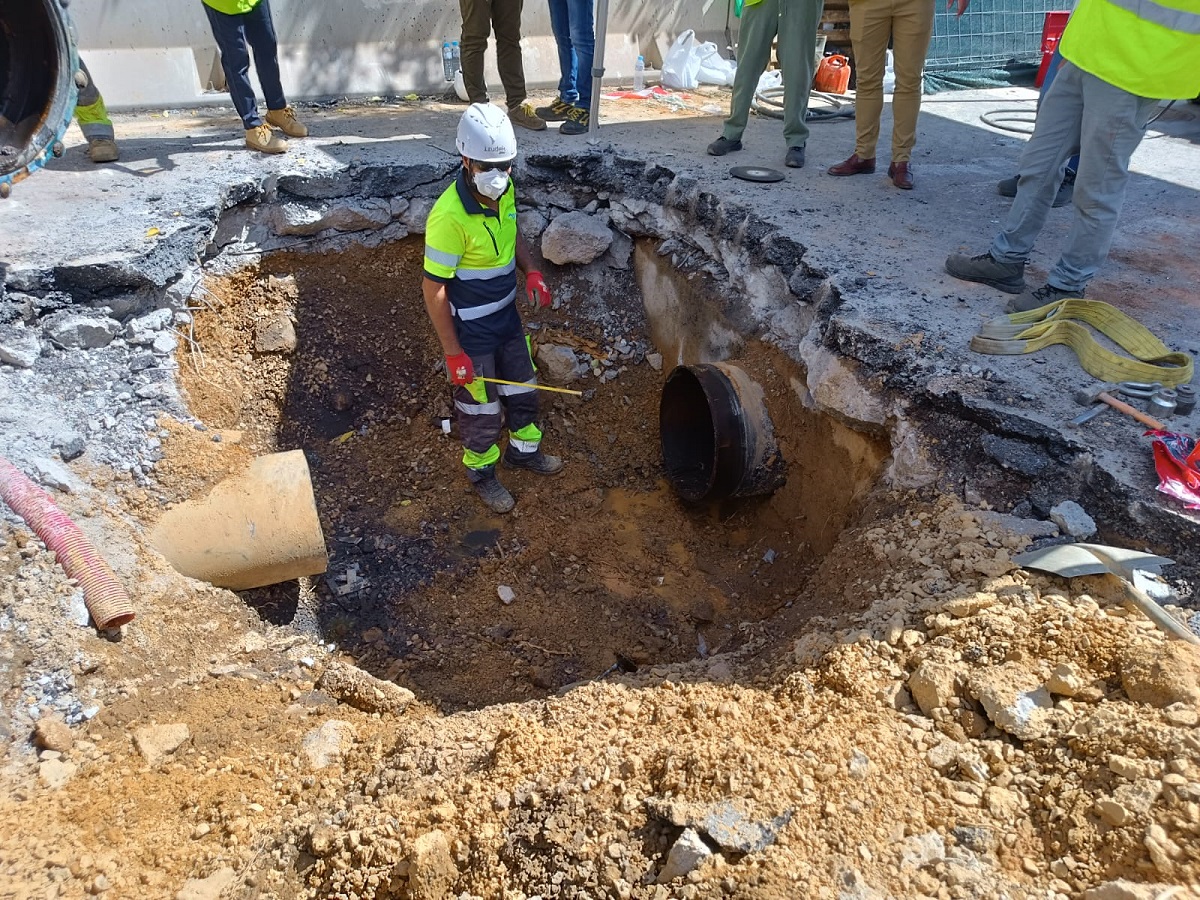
column 607, row 565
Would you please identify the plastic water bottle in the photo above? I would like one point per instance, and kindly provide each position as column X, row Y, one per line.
column 456, row 56
column 447, row 61
column 889, row 74
column 639, row 74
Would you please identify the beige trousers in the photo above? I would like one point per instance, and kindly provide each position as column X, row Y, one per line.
column 909, row 25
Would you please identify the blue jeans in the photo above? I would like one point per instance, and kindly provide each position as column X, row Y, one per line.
column 1103, row 124
column 571, row 21
column 235, row 35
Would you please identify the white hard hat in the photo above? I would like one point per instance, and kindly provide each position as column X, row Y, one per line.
column 485, row 134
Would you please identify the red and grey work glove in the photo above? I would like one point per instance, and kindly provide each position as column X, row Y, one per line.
column 535, row 287
column 460, row 369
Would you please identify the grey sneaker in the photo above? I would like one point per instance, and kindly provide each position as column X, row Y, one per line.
column 1043, row 296
column 1066, row 190
column 794, row 158
column 542, row 463
column 723, row 145
column 494, row 494
column 1007, row 277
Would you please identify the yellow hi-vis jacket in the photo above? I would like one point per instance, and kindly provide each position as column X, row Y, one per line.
column 1150, row 48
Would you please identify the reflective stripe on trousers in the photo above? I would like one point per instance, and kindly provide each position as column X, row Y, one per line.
column 480, row 408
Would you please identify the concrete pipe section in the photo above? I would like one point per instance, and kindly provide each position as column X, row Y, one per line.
column 38, row 62
column 255, row 528
column 717, row 438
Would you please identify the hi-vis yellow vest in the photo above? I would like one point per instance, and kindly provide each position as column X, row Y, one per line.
column 1150, row 48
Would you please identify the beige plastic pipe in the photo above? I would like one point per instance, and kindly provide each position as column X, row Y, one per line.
column 255, row 528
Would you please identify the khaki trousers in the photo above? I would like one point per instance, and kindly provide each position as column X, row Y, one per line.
column 479, row 19
column 909, row 25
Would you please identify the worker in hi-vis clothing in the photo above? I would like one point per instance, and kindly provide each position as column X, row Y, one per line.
column 94, row 122
column 472, row 251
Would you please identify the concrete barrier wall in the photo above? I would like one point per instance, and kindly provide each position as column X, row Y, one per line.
column 155, row 53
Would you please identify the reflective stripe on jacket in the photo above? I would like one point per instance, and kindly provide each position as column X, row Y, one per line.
column 1150, row 48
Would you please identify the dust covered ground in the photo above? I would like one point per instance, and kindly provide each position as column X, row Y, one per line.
column 839, row 691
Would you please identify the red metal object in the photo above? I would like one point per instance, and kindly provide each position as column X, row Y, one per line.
column 1052, row 29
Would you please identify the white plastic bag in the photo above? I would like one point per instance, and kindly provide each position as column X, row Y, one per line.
column 681, row 66
column 772, row 78
column 714, row 68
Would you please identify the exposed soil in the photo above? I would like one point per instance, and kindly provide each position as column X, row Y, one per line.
column 606, row 564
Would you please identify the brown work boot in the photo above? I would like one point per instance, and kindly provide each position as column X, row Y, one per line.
column 525, row 116
column 102, row 150
column 853, row 166
column 285, row 120
column 265, row 140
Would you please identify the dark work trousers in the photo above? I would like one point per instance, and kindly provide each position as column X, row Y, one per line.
column 479, row 19
column 479, row 420
column 235, row 36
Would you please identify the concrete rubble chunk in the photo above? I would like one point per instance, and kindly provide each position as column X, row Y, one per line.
column 575, row 237
column 655, row 360
column 327, row 743
column 52, row 733
column 735, row 826
column 354, row 687
column 276, row 335
column 557, row 363
column 78, row 331
column 932, row 685
column 209, row 888
column 506, row 594
column 688, row 853
column 1130, row 890
column 1015, row 701
column 305, row 219
column 431, row 869
column 54, row 773
column 922, row 849
column 156, row 742
column 20, row 347
column 54, row 475
column 144, row 329
column 1071, row 519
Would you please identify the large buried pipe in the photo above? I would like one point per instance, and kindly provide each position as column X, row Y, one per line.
column 717, row 438
column 38, row 62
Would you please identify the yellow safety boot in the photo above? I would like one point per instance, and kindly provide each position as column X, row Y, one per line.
column 285, row 120
column 265, row 140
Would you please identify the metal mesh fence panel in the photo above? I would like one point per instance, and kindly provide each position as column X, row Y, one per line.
column 989, row 33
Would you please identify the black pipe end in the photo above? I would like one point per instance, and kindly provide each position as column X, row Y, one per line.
column 702, row 435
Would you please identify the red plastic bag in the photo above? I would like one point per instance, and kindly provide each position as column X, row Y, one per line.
column 1177, row 461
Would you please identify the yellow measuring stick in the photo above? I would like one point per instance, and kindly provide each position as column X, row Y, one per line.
column 540, row 387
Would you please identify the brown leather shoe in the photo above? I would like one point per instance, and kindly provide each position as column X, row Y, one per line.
column 853, row 166
column 901, row 176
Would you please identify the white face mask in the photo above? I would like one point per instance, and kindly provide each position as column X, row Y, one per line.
column 492, row 184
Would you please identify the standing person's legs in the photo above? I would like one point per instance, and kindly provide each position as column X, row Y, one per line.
column 229, row 33
column 870, row 28
column 912, row 29
column 476, row 27
column 260, row 34
column 568, row 63
column 798, row 21
column 1055, row 138
column 1114, row 122
column 583, row 40
column 513, row 363
column 506, row 22
column 94, row 122
column 760, row 24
